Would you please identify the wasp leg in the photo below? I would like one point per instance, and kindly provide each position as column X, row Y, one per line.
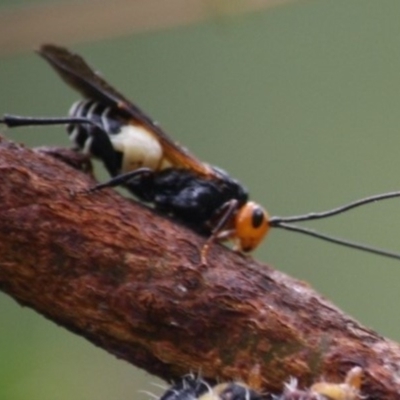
column 13, row 121
column 123, row 179
column 219, row 233
column 99, row 146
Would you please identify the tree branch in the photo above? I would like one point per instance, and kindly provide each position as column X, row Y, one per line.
column 128, row 280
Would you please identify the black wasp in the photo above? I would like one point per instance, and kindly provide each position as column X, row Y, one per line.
column 139, row 155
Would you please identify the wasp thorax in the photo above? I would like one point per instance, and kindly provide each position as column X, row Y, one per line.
column 251, row 225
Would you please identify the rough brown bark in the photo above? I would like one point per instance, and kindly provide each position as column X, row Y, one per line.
column 113, row 271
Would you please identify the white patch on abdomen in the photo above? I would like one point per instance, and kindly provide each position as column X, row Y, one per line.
column 139, row 148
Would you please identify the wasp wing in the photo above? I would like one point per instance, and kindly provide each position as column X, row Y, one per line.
column 76, row 73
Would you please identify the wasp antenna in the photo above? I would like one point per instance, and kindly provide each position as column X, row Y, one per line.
column 277, row 221
column 342, row 242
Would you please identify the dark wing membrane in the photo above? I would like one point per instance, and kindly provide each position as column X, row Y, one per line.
column 76, row 72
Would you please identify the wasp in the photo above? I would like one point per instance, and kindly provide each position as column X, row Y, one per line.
column 139, row 155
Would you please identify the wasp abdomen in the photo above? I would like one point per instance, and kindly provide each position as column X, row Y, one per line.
column 81, row 134
column 133, row 146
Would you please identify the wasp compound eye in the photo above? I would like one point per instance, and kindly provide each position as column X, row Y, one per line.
column 251, row 225
column 258, row 217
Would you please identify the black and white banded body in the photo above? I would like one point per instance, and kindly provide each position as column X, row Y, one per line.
column 121, row 144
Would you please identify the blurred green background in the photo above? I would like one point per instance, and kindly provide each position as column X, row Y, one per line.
column 299, row 102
